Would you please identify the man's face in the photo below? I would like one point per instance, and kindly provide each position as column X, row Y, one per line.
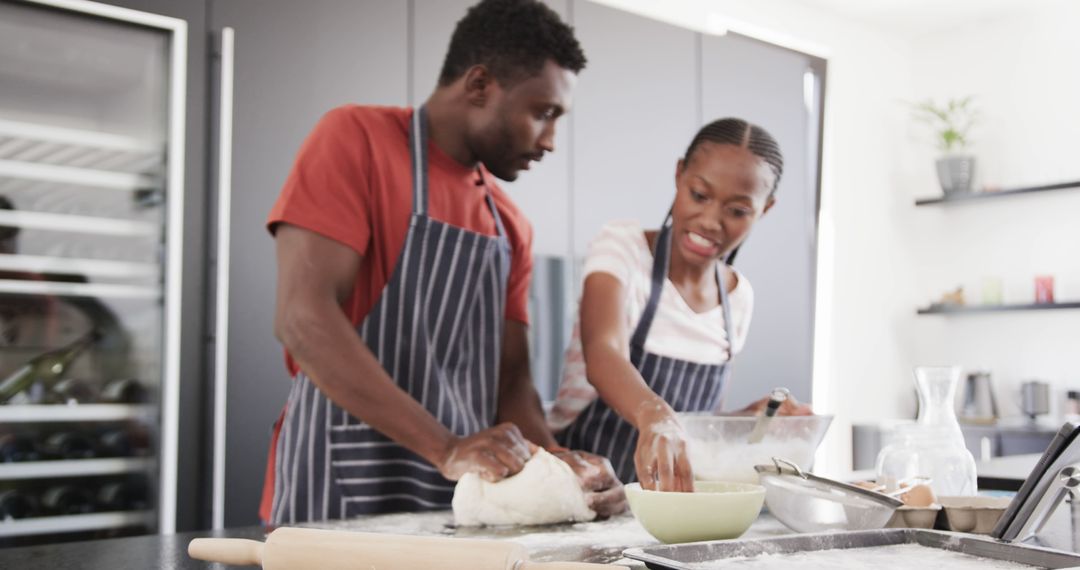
column 517, row 125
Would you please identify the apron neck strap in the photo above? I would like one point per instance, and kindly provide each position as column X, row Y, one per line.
column 661, row 264
column 661, row 259
column 418, row 138
column 418, row 152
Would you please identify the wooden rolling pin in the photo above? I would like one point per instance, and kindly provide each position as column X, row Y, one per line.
column 298, row 548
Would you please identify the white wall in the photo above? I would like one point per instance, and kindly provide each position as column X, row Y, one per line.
column 1025, row 72
column 863, row 341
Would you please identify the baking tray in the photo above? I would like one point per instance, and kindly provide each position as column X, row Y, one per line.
column 701, row 555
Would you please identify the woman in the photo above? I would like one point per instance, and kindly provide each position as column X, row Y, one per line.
column 662, row 313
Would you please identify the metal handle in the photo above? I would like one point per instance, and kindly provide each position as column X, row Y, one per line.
column 778, row 460
column 1066, row 483
column 776, row 399
column 221, row 303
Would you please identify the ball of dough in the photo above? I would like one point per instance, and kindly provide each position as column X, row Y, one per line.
column 546, row 491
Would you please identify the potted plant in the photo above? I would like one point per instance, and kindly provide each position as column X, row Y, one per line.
column 951, row 123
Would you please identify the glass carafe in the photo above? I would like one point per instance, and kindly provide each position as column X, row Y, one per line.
column 933, row 447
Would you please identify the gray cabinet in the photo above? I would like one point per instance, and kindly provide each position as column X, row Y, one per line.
column 985, row 442
column 636, row 109
column 294, row 62
column 767, row 85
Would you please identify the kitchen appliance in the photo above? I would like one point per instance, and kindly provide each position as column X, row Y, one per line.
column 831, row 550
column 290, row 548
column 805, row 502
column 92, row 135
column 979, row 405
column 1054, row 481
column 1034, row 399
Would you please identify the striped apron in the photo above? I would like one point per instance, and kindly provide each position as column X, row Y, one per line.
column 686, row 386
column 437, row 331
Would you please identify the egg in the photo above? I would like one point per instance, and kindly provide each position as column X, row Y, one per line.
column 869, row 485
column 919, row 496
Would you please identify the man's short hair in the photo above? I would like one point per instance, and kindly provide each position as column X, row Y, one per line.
column 513, row 38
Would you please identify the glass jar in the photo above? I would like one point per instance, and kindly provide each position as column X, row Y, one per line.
column 933, row 447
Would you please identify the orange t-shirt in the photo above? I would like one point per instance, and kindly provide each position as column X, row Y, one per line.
column 352, row 182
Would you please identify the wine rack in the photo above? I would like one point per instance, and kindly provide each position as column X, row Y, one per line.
column 38, row 159
column 75, row 523
column 92, row 138
column 74, row 468
column 77, row 413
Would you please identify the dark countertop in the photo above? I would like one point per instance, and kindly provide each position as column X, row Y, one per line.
column 167, row 552
column 600, row 542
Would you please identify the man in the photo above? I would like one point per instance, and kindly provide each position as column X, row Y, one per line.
column 403, row 271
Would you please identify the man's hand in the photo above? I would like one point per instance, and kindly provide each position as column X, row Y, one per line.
column 495, row 454
column 603, row 491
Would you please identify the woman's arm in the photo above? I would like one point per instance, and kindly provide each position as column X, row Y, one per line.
column 660, row 457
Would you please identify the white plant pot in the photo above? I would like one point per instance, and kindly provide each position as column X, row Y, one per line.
column 955, row 173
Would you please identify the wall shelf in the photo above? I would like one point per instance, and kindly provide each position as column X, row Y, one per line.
column 74, row 523
column 964, row 310
column 13, row 413
column 74, row 468
column 980, row 196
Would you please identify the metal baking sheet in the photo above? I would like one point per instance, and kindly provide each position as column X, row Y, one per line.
column 698, row 555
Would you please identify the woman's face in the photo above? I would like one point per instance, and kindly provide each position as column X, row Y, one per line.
column 721, row 190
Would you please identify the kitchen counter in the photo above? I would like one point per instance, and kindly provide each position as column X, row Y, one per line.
column 591, row 542
column 601, row 542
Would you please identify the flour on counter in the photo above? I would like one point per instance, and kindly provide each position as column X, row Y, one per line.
column 897, row 557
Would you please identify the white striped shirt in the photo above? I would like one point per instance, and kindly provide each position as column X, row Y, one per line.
column 622, row 251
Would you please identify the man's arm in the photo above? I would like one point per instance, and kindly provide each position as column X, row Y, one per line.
column 519, row 402
column 315, row 275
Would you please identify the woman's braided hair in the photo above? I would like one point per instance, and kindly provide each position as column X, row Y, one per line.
column 744, row 134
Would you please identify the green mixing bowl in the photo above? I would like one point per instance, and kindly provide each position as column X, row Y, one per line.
column 715, row 510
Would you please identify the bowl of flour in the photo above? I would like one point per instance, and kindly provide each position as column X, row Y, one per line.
column 719, row 450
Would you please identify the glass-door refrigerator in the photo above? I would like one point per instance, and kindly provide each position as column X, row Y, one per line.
column 91, row 193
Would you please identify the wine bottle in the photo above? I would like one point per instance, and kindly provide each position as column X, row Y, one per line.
column 16, row 447
column 47, row 367
column 15, row 504
column 130, row 495
column 70, row 390
column 123, row 391
column 115, row 443
column 67, row 499
column 68, row 445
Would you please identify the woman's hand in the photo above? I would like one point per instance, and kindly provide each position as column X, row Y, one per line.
column 660, row 458
column 495, row 454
